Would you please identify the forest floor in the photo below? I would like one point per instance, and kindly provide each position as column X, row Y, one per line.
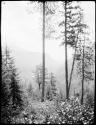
column 39, row 110
column 51, row 112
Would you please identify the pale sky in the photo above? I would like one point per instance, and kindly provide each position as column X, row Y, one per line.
column 20, row 29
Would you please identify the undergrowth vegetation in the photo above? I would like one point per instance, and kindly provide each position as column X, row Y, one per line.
column 54, row 112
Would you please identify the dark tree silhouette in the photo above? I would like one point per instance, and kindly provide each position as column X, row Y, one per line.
column 11, row 93
column 16, row 93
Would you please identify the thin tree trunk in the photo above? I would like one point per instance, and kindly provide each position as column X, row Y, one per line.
column 82, row 96
column 82, row 80
column 39, row 86
column 73, row 63
column 66, row 68
column 71, row 73
column 38, row 80
column 43, row 85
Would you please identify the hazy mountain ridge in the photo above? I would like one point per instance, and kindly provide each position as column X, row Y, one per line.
column 26, row 63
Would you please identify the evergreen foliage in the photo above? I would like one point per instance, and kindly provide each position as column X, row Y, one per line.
column 11, row 95
column 51, row 88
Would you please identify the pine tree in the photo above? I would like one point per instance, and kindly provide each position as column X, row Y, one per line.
column 4, row 103
column 45, row 11
column 49, row 93
column 51, row 88
column 30, row 91
column 84, row 59
column 72, row 25
column 80, row 26
column 61, row 96
column 11, row 80
column 4, row 88
column 38, row 75
column 5, row 92
column 16, row 93
column 53, row 85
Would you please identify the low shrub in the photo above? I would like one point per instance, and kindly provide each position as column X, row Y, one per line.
column 72, row 112
column 65, row 112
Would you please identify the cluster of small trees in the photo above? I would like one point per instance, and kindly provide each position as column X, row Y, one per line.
column 11, row 93
column 50, row 85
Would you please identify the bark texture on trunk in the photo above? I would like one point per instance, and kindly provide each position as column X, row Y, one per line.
column 43, row 85
column 66, row 65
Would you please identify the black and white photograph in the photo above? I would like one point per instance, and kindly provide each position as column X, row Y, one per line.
column 48, row 62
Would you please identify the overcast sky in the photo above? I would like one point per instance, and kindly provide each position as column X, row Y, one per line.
column 22, row 29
